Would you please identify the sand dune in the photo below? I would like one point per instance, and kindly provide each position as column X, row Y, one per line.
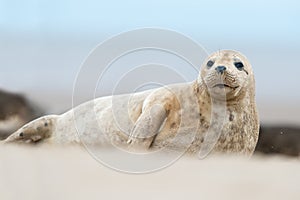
column 71, row 173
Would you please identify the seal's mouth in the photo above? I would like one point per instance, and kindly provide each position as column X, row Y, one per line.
column 224, row 86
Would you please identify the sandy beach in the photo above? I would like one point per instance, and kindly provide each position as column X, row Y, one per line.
column 71, row 173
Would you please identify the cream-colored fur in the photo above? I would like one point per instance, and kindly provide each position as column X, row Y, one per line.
column 179, row 116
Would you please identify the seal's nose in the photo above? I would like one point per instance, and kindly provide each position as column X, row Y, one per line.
column 220, row 69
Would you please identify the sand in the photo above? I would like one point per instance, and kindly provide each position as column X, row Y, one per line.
column 71, row 173
column 56, row 172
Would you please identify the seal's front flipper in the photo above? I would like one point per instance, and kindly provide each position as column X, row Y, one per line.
column 34, row 131
column 147, row 126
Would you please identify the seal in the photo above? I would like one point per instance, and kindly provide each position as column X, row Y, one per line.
column 220, row 102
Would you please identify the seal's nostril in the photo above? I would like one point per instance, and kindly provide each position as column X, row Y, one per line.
column 220, row 69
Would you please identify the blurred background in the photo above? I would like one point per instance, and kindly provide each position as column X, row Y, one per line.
column 43, row 43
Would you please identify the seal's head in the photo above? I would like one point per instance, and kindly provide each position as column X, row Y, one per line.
column 226, row 73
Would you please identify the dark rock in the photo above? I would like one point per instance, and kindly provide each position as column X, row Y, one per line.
column 15, row 111
column 277, row 139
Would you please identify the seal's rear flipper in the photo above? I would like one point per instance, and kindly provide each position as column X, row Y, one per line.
column 15, row 111
column 35, row 131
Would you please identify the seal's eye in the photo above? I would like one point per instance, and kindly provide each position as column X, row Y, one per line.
column 210, row 63
column 239, row 65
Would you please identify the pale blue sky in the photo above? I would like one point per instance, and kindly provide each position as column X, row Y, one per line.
column 264, row 20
